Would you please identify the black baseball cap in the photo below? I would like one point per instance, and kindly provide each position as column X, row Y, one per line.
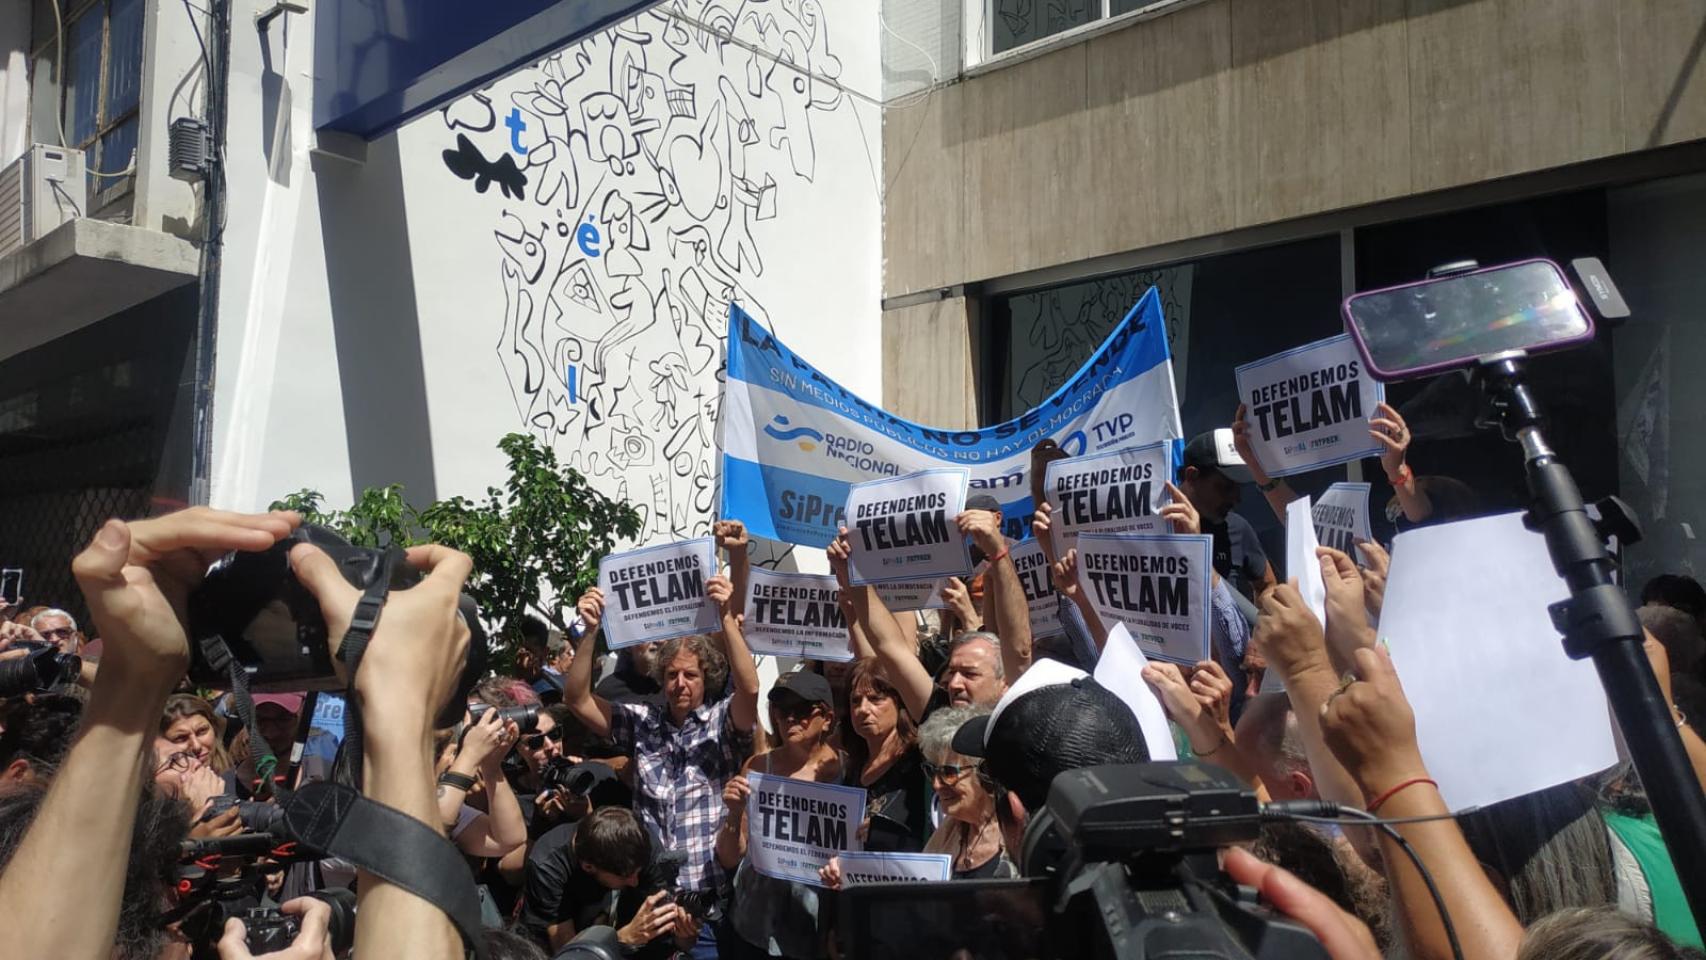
column 804, row 685
column 983, row 501
column 1214, row 450
column 1056, row 718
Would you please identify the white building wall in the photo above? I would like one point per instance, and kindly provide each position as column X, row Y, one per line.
column 390, row 320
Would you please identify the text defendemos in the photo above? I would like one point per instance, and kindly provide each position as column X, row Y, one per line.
column 1117, row 492
column 657, row 593
column 1309, row 406
column 903, row 528
column 795, row 615
column 1157, row 585
column 794, row 827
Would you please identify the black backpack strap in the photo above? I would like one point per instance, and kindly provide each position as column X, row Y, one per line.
column 388, row 843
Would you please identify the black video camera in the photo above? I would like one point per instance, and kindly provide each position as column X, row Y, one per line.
column 666, row 876
column 38, row 671
column 273, row 627
column 576, row 779
column 1121, row 864
column 256, row 816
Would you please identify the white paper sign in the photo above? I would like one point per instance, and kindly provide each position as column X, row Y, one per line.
column 795, row 615
column 1157, row 585
column 858, row 868
column 1038, row 584
column 1116, row 492
column 1309, row 406
column 902, row 528
column 1120, row 669
column 1300, row 559
column 1341, row 518
column 793, row 827
column 904, row 595
column 1465, row 619
column 656, row 593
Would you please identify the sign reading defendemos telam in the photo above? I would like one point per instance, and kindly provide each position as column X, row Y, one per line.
column 1157, row 585
column 658, row 593
column 1309, row 406
column 903, row 528
column 858, row 868
column 795, row 615
column 1116, row 492
column 1341, row 518
column 793, row 827
column 1040, row 596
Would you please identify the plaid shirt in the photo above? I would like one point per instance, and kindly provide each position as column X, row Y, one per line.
column 681, row 775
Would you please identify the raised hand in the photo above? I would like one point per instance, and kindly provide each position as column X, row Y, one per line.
column 1288, row 634
column 1213, row 689
column 1245, row 447
column 483, row 740
column 1347, row 620
column 731, row 536
column 591, row 609
column 1183, row 706
column 1042, row 526
column 984, row 529
column 839, row 549
column 735, row 794
column 1181, row 512
column 830, row 874
column 1370, row 728
column 958, row 597
column 1374, row 575
column 1064, row 573
column 720, row 589
column 1389, row 430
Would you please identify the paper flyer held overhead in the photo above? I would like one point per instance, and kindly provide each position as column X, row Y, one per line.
column 1341, row 518
column 1040, row 596
column 1300, row 559
column 1465, row 618
column 1120, row 669
column 1157, row 585
column 657, row 593
column 903, row 528
column 858, row 868
column 794, row 827
column 795, row 615
column 1115, row 492
column 1309, row 407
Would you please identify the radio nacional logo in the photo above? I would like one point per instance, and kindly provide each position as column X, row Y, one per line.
column 806, row 437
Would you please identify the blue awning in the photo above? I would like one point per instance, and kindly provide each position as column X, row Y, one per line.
column 377, row 63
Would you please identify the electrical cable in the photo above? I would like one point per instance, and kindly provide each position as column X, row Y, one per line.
column 1332, row 812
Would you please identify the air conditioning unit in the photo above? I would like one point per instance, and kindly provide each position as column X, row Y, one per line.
column 39, row 191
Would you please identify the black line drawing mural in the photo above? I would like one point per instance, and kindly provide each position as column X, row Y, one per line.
column 652, row 150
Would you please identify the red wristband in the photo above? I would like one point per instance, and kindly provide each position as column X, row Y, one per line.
column 1405, row 474
column 1004, row 551
column 1402, row 784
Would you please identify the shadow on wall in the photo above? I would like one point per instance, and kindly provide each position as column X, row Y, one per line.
column 375, row 320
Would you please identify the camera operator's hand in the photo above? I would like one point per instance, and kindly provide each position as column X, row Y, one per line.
column 137, row 579
column 984, row 529
column 591, row 609
column 11, row 633
column 1288, row 634
column 314, row 942
column 655, row 918
column 485, row 740
column 686, row 929
column 1347, row 619
column 1379, row 566
column 735, row 794
column 1181, row 512
column 226, row 824
column 1344, row 936
column 1370, row 728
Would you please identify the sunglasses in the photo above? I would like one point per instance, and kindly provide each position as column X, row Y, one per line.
column 950, row 773
column 63, row 633
column 176, row 763
column 534, row 741
column 795, row 708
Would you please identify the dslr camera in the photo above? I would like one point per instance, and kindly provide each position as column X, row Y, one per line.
column 1122, row 864
column 38, row 671
column 271, row 931
column 524, row 716
column 273, row 627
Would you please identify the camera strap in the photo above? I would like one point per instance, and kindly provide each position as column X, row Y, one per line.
column 220, row 657
column 390, row 844
column 362, row 624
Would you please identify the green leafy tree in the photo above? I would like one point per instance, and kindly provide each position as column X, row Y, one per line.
column 538, row 537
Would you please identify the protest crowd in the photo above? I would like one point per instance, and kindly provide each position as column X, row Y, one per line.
column 645, row 785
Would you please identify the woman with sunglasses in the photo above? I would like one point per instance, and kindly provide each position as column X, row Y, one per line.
column 769, row 917
column 969, row 831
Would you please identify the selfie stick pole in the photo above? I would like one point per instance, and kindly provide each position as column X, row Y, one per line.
column 1597, row 622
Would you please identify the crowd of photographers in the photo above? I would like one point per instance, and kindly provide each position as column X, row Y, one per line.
column 585, row 790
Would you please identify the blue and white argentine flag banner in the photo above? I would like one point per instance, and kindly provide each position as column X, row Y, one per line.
column 793, row 439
